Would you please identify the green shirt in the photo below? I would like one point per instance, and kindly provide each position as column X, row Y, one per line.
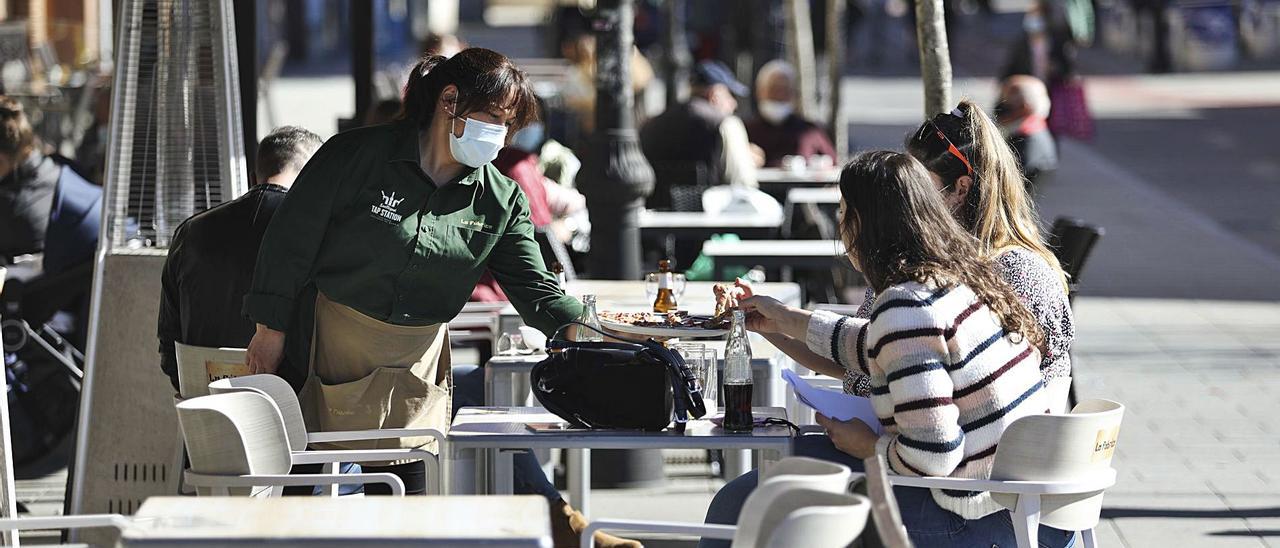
column 370, row 230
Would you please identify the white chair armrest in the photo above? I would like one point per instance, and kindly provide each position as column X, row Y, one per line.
column 380, row 434
column 65, row 522
column 300, row 480
column 810, row 429
column 722, row 532
column 1097, row 482
column 360, row 455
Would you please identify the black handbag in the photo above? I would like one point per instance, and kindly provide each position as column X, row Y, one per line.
column 631, row 385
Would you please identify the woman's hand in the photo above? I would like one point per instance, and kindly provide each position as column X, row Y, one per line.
column 768, row 315
column 266, row 350
column 727, row 296
column 852, row 436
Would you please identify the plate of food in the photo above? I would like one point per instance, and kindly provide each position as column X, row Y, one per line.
column 672, row 325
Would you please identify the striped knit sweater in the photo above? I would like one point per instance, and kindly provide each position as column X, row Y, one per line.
column 946, row 380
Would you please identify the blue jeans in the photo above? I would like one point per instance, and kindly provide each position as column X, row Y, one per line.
column 468, row 391
column 927, row 523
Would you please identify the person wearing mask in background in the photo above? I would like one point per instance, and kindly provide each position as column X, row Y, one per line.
column 212, row 254
column 381, row 243
column 1046, row 49
column 777, row 129
column 1023, row 115
column 700, row 143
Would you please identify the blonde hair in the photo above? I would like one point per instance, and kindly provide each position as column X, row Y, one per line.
column 998, row 210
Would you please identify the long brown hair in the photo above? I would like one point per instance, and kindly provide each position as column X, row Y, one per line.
column 484, row 78
column 998, row 209
column 897, row 228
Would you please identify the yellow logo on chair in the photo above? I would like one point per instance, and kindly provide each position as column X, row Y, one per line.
column 1104, row 445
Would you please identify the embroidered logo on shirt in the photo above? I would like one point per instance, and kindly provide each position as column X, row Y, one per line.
column 386, row 211
column 476, row 224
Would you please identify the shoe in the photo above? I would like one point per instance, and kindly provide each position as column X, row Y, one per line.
column 567, row 525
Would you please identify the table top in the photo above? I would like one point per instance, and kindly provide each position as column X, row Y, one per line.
column 773, row 248
column 450, row 521
column 699, row 219
column 506, row 427
column 698, row 297
column 763, row 353
column 822, row 195
column 777, row 175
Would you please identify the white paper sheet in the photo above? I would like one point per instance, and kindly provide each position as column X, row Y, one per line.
column 832, row 404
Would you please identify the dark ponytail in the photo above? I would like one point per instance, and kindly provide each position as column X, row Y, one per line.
column 484, row 78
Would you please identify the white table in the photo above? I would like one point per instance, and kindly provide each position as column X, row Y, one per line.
column 339, row 522
column 777, row 181
column 773, row 254
column 503, row 430
column 823, row 195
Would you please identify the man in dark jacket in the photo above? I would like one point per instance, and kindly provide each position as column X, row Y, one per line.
column 212, row 255
column 28, row 181
column 700, row 143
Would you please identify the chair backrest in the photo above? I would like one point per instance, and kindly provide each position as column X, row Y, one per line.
column 280, row 392
column 1066, row 447
column 811, row 518
column 795, row 473
column 200, row 365
column 1059, row 390
column 234, row 434
column 1072, row 241
column 884, row 505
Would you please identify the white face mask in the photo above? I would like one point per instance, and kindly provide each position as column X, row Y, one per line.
column 775, row 112
column 479, row 144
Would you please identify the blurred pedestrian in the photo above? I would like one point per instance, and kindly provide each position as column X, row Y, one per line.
column 1046, row 48
column 700, row 143
column 212, row 255
column 1023, row 115
column 777, row 129
column 28, row 181
column 580, row 83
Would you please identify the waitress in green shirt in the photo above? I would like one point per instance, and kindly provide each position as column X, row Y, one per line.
column 380, row 244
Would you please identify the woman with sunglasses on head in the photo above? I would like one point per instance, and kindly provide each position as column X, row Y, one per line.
column 380, row 243
column 950, row 353
column 980, row 180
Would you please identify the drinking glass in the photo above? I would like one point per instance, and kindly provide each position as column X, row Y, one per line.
column 680, row 283
column 510, row 344
column 651, row 285
column 702, row 361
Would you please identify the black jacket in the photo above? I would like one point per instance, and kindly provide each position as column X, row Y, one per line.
column 684, row 147
column 209, row 271
column 26, row 198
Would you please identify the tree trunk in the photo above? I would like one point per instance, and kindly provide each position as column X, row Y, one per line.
column 800, row 50
column 835, row 65
column 935, row 58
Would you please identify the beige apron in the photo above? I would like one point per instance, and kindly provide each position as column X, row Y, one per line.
column 366, row 374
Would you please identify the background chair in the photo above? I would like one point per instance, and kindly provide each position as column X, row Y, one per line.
column 800, row 502
column 1072, row 242
column 281, row 394
column 238, row 446
column 1050, row 469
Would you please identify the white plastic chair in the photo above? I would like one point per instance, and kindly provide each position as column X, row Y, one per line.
column 1050, row 469
column 11, row 526
column 200, row 365
column 238, row 445
column 1059, row 391
column 280, row 392
column 802, row 502
column 884, row 505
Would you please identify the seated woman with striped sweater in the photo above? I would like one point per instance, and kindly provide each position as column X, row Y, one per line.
column 952, row 356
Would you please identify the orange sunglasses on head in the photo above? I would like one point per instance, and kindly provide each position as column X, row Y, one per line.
column 951, row 147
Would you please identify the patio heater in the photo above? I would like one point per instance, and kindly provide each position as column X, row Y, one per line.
column 175, row 149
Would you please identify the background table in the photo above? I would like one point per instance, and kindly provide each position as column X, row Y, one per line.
column 339, row 522
column 782, row 254
column 679, row 234
column 503, row 429
column 777, row 181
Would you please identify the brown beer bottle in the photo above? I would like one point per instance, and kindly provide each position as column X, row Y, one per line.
column 666, row 298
